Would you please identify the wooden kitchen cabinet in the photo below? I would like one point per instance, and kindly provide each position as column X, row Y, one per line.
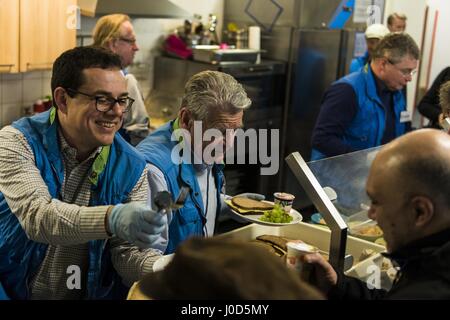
column 9, row 27
column 45, row 32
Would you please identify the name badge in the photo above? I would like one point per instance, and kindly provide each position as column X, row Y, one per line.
column 405, row 116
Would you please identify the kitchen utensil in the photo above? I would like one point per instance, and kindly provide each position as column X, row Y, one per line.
column 163, row 199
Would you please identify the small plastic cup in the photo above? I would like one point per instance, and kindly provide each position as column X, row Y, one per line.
column 284, row 199
column 294, row 258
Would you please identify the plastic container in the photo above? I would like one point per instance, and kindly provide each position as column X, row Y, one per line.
column 294, row 258
column 369, row 231
column 285, row 200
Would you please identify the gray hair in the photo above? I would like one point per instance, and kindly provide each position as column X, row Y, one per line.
column 444, row 97
column 396, row 46
column 213, row 91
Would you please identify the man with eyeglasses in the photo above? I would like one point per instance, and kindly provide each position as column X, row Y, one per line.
column 367, row 108
column 73, row 218
column 115, row 33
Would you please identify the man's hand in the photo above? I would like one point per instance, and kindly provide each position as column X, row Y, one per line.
column 254, row 196
column 137, row 223
column 323, row 273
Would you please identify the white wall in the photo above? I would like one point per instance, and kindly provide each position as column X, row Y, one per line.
column 432, row 62
column 441, row 53
column 415, row 11
column 19, row 91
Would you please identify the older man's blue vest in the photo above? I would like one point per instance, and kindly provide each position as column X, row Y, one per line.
column 112, row 179
column 367, row 127
column 189, row 220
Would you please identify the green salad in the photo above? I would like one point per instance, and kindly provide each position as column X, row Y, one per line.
column 276, row 215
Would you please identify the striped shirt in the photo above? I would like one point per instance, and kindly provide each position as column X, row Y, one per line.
column 68, row 224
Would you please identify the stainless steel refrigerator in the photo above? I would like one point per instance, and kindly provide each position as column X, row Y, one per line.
column 316, row 55
column 319, row 57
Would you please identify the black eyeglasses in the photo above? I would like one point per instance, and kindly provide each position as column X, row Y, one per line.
column 105, row 103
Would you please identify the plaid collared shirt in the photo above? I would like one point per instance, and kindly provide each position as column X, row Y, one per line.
column 66, row 224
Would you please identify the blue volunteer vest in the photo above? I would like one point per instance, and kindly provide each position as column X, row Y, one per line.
column 113, row 175
column 359, row 62
column 189, row 220
column 367, row 127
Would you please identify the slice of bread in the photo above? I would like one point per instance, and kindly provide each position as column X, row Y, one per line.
column 250, row 204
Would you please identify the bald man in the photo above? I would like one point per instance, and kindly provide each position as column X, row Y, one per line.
column 408, row 184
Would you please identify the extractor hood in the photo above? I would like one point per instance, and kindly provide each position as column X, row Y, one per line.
column 134, row 8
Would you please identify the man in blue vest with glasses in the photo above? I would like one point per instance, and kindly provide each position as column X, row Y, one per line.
column 74, row 223
column 367, row 108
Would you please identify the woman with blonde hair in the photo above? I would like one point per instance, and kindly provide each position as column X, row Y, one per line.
column 115, row 33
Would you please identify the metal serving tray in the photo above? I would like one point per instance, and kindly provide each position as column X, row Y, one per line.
column 214, row 55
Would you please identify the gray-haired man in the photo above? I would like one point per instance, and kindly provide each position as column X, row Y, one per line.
column 213, row 104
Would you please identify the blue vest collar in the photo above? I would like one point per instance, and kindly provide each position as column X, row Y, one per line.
column 371, row 85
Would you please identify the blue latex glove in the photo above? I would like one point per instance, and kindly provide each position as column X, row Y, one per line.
column 254, row 196
column 137, row 223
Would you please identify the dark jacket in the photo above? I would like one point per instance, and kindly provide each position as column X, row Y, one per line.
column 429, row 105
column 424, row 273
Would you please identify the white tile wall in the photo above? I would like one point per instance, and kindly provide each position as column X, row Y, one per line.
column 19, row 90
column 11, row 91
column 1, row 107
column 32, row 75
column 32, row 88
column 10, row 113
column 11, row 76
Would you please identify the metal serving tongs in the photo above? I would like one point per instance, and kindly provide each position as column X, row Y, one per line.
column 163, row 199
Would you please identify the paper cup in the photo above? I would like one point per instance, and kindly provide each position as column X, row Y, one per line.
column 284, row 199
column 294, row 258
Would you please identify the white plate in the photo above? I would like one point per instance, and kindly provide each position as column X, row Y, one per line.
column 254, row 218
column 162, row 262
